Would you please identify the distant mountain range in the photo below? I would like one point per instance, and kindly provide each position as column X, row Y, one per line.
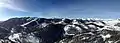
column 59, row 30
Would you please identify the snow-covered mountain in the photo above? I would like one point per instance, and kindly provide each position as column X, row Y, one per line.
column 59, row 30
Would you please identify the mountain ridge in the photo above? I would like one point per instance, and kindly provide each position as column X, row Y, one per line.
column 59, row 30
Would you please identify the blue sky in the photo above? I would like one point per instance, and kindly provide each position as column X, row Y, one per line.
column 60, row 8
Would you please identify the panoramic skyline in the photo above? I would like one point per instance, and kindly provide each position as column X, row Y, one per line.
column 60, row 8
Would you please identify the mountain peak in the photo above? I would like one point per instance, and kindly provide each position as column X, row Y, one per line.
column 59, row 30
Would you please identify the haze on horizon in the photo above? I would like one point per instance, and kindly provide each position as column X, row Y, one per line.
column 60, row 8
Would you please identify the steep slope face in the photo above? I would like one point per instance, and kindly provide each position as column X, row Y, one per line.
column 43, row 30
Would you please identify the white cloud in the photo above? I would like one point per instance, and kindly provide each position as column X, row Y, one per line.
column 10, row 5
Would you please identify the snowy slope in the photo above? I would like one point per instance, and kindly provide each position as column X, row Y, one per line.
column 56, row 30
